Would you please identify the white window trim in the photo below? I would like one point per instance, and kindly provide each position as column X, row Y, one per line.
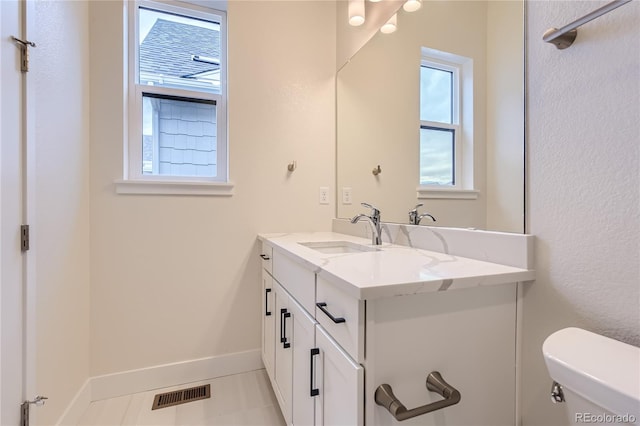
column 432, row 192
column 462, row 69
column 134, row 181
column 173, row 187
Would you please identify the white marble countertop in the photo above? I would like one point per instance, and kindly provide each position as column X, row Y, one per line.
column 394, row 270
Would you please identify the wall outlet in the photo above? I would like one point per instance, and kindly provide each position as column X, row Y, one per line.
column 346, row 195
column 324, row 195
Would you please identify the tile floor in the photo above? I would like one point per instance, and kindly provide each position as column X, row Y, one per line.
column 238, row 400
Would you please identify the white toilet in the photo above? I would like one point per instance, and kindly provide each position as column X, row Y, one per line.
column 598, row 378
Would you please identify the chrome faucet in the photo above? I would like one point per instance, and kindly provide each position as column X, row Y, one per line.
column 374, row 220
column 415, row 218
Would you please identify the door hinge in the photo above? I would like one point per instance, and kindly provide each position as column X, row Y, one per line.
column 24, row 237
column 24, row 414
column 24, row 409
column 24, row 52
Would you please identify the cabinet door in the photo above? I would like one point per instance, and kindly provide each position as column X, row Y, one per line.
column 283, row 352
column 268, row 323
column 341, row 385
column 305, row 357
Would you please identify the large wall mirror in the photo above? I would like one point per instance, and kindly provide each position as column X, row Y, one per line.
column 434, row 114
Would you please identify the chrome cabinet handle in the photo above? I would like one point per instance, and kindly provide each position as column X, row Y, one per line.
column 321, row 306
column 435, row 383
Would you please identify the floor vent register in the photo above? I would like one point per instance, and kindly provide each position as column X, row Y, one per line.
column 182, row 396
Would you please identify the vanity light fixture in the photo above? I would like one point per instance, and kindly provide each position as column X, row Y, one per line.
column 412, row 5
column 391, row 25
column 356, row 12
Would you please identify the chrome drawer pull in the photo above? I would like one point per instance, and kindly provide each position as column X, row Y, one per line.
column 435, row 383
column 322, row 305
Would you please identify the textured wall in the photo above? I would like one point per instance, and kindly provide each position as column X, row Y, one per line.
column 583, row 198
column 60, row 73
column 176, row 277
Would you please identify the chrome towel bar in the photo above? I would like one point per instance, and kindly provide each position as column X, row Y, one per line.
column 564, row 37
column 435, row 383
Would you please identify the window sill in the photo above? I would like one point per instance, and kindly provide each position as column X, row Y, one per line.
column 447, row 193
column 166, row 187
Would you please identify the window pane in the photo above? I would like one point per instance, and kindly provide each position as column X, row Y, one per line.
column 177, row 51
column 436, row 95
column 436, row 156
column 179, row 137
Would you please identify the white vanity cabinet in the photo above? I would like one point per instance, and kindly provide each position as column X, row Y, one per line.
column 283, row 374
column 342, row 316
column 304, row 366
column 315, row 381
column 421, row 313
column 340, row 381
column 268, row 323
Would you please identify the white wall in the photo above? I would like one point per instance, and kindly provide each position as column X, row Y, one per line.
column 177, row 277
column 60, row 75
column 583, row 203
column 505, row 116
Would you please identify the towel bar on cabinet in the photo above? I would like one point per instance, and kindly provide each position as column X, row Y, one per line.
column 384, row 397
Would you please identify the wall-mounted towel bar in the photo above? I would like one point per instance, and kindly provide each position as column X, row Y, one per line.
column 435, row 383
column 564, row 37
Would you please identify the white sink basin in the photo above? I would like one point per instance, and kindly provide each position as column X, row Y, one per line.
column 336, row 247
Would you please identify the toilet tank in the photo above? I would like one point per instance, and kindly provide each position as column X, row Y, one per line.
column 600, row 377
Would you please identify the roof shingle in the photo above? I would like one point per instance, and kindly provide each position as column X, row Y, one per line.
column 169, row 47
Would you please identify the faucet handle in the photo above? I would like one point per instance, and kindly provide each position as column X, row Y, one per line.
column 415, row 209
column 374, row 210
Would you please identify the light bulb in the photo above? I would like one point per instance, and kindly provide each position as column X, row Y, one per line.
column 391, row 25
column 356, row 12
column 412, row 5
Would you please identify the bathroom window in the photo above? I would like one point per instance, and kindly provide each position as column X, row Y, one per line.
column 439, row 123
column 446, row 88
column 177, row 93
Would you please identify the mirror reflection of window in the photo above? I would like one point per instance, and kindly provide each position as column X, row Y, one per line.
column 440, row 126
column 437, row 156
column 436, row 94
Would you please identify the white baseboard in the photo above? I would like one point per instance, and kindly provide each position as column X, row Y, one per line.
column 162, row 376
column 156, row 377
column 77, row 407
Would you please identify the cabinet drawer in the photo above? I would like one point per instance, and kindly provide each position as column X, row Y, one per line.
column 342, row 316
column 296, row 279
column 267, row 257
